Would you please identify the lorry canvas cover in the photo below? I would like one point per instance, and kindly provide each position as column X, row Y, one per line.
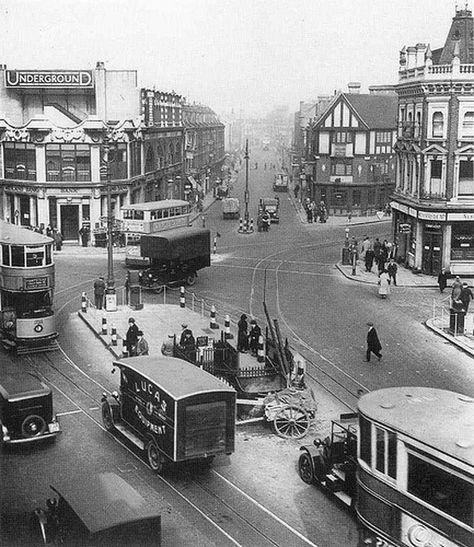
column 180, row 244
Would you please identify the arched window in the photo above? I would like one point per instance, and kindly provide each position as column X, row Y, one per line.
column 438, row 124
column 150, row 160
column 468, row 124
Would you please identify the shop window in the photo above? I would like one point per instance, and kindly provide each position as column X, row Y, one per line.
column 441, row 489
column 68, row 162
column 462, row 241
column 468, row 124
column 437, row 129
column 356, row 198
column 20, row 161
column 466, row 178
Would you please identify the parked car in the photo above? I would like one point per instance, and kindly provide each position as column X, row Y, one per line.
column 230, row 208
column 272, row 207
column 175, row 257
column 99, row 509
column 26, row 409
column 171, row 410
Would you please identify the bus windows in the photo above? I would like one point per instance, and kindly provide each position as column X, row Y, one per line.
column 28, row 305
column 441, row 489
column 386, row 452
column 5, row 255
column 34, row 256
column 365, row 440
column 18, row 256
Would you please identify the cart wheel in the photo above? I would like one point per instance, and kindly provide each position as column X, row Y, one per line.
column 191, row 278
column 292, row 422
column 155, row 460
column 305, row 468
column 33, row 426
column 107, row 418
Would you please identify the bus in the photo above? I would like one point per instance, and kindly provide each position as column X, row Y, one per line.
column 27, row 280
column 280, row 183
column 148, row 218
column 415, row 468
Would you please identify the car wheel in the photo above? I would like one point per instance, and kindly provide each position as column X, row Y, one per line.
column 33, row 426
column 155, row 461
column 305, row 468
column 107, row 418
column 191, row 279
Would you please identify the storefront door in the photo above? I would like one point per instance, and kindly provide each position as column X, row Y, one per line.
column 432, row 244
column 70, row 222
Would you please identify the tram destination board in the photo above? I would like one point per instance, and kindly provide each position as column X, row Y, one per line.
column 36, row 283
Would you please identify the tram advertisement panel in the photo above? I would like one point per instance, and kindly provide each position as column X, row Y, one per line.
column 147, row 409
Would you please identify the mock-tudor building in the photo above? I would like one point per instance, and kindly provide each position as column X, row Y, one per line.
column 433, row 202
column 350, row 163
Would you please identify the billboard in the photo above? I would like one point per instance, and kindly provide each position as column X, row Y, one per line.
column 49, row 78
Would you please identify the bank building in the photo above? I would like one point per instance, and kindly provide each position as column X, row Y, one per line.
column 433, row 202
column 67, row 134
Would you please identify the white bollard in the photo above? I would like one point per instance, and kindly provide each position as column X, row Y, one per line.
column 227, row 334
column 182, row 298
column 84, row 302
column 260, row 350
column 113, row 335
column 104, row 326
column 213, row 323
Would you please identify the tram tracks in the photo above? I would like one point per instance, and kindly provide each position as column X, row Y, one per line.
column 239, row 518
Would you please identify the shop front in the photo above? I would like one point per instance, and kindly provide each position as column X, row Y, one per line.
column 462, row 243
column 431, row 261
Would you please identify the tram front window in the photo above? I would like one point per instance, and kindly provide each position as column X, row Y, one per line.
column 28, row 305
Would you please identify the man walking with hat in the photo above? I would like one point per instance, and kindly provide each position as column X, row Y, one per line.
column 373, row 343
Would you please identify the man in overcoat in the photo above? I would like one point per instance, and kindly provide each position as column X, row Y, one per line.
column 373, row 343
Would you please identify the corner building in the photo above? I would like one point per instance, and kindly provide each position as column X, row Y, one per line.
column 433, row 202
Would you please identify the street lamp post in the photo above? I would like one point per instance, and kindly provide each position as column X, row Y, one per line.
column 110, row 294
column 246, row 195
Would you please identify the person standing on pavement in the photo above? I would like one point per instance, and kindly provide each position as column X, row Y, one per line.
column 167, row 348
column 254, row 335
column 456, row 288
column 99, row 291
column 442, row 280
column 366, row 245
column 373, row 343
column 369, row 260
column 466, row 296
column 297, row 190
column 242, row 336
column 384, row 284
column 142, row 344
column 392, row 269
column 187, row 340
column 84, row 232
column 131, row 338
column 58, row 239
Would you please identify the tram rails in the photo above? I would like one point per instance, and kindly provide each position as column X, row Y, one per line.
column 27, row 279
column 235, row 517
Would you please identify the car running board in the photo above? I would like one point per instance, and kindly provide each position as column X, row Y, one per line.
column 130, row 436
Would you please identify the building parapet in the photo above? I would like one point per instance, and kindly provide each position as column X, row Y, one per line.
column 434, row 72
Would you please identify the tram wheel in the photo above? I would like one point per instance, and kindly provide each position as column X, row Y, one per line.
column 155, row 461
column 292, row 422
column 33, row 426
column 107, row 418
column 305, row 468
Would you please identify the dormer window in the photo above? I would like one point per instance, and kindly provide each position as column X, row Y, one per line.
column 468, row 124
column 438, row 125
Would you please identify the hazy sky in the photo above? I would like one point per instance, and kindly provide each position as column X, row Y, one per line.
column 244, row 54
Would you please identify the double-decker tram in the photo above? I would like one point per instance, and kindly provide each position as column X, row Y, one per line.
column 26, row 290
column 416, row 468
column 148, row 218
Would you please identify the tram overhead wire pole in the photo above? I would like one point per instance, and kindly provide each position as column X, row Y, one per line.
column 110, row 293
column 246, row 228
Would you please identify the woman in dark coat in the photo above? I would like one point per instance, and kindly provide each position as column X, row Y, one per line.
column 242, row 337
column 442, row 280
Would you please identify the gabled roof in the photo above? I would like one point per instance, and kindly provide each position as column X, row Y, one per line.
column 372, row 111
column 459, row 40
column 376, row 111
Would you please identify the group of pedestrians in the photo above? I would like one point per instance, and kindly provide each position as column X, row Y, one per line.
column 52, row 232
column 313, row 211
column 135, row 340
column 248, row 340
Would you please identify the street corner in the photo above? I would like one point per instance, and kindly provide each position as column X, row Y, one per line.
column 461, row 341
column 369, row 278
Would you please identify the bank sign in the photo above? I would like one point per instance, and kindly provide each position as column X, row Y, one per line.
column 48, row 78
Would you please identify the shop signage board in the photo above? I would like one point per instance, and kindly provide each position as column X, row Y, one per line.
column 399, row 207
column 49, row 78
column 431, row 215
column 460, row 216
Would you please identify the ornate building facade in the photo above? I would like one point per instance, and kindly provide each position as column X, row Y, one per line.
column 433, row 202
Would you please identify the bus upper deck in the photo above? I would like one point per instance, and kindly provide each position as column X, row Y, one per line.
column 416, row 468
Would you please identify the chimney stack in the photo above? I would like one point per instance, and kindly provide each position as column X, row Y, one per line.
column 354, row 87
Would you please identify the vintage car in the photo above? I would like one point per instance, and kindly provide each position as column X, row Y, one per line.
column 280, row 184
column 26, row 409
column 171, row 410
column 97, row 509
column 230, row 208
column 175, row 257
column 272, row 207
column 222, row 191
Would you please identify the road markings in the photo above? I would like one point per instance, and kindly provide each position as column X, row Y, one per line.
column 69, row 412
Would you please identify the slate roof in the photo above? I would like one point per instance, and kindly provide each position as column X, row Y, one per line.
column 376, row 111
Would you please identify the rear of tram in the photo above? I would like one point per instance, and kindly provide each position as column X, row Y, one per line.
column 416, row 468
column 27, row 322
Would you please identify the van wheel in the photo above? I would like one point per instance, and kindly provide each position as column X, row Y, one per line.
column 154, row 458
column 305, row 468
column 191, row 278
column 107, row 418
column 33, row 426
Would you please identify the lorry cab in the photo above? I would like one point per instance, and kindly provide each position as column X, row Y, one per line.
column 172, row 410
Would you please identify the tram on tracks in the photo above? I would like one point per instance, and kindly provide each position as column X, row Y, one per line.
column 416, row 468
column 27, row 322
